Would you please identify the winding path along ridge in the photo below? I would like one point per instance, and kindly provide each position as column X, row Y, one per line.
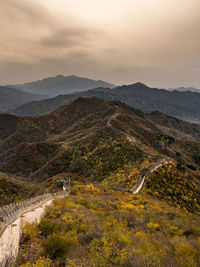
column 160, row 162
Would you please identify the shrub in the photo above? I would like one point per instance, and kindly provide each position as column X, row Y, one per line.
column 130, row 219
column 173, row 230
column 107, row 252
column 153, row 226
column 186, row 255
column 192, row 232
column 47, row 226
column 31, row 229
column 41, row 262
column 58, row 245
column 86, row 203
column 74, row 191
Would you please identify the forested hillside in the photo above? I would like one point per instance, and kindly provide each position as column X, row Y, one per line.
column 88, row 139
column 107, row 149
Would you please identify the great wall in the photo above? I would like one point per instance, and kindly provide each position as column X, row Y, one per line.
column 15, row 215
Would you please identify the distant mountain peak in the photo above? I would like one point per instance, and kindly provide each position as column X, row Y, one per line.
column 58, row 76
column 139, row 84
column 135, row 85
column 11, row 98
column 185, row 89
column 60, row 84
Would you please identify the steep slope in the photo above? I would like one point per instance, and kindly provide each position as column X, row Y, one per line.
column 83, row 119
column 175, row 126
column 8, row 125
column 87, row 117
column 60, row 84
column 98, row 140
column 99, row 227
column 46, row 106
column 110, row 151
column 136, row 95
column 14, row 188
column 10, row 98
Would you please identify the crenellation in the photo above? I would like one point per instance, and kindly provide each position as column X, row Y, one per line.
column 10, row 212
column 14, row 215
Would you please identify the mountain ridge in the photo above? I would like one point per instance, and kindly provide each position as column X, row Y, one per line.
column 11, row 98
column 83, row 118
column 60, row 84
column 136, row 95
column 185, row 89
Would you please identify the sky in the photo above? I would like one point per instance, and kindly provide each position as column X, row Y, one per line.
column 156, row 42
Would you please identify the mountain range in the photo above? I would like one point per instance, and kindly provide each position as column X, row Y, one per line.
column 185, row 89
column 60, row 84
column 105, row 147
column 78, row 139
column 183, row 105
column 11, row 98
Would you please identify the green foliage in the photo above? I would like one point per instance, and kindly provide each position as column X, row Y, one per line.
column 13, row 188
column 96, row 226
column 28, row 157
column 153, row 226
column 41, row 262
column 59, row 244
column 109, row 251
column 31, row 229
column 46, row 226
column 196, row 157
column 86, row 203
column 176, row 188
column 104, row 157
column 91, row 231
column 185, row 254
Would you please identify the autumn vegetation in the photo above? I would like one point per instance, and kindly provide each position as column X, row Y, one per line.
column 101, row 223
column 101, row 227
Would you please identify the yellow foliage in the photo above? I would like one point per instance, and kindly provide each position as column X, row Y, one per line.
column 142, row 235
column 153, row 226
column 185, row 253
column 109, row 229
column 41, row 262
column 128, row 206
column 31, row 229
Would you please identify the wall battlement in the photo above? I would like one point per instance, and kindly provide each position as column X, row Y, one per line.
column 9, row 213
column 12, row 219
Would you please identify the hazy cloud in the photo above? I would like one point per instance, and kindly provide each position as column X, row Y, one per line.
column 156, row 42
column 68, row 37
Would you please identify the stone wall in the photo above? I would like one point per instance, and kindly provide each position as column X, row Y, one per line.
column 12, row 218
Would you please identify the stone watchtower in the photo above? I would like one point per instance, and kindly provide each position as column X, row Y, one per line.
column 64, row 183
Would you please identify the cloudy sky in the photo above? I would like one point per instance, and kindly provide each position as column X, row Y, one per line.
column 121, row 41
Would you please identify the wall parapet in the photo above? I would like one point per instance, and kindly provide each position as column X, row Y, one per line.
column 9, row 213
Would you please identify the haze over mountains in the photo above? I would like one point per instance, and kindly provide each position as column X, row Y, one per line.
column 105, row 147
column 101, row 171
column 11, row 98
column 60, row 84
column 184, row 105
column 185, row 89
column 39, row 139
column 77, row 139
